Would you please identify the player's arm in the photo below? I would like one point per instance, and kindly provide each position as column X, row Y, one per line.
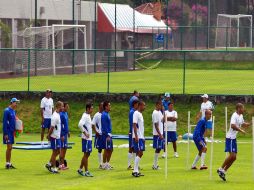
column 245, row 124
column 94, row 127
column 135, row 129
column 171, row 119
column 158, row 130
column 82, row 127
column 5, row 125
column 234, row 127
column 198, row 116
column 41, row 112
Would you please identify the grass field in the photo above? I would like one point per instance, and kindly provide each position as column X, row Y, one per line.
column 200, row 77
column 31, row 173
column 28, row 111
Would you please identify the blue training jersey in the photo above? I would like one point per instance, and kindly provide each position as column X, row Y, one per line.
column 64, row 123
column 165, row 104
column 106, row 126
column 131, row 119
column 200, row 128
column 9, row 121
column 131, row 101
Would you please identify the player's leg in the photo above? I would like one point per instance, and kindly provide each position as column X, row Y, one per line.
column 42, row 133
column 173, row 138
column 130, row 153
column 86, row 155
column 203, row 154
column 157, row 146
column 139, row 147
column 8, row 155
column 156, row 156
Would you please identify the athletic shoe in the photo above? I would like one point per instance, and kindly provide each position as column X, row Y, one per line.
column 53, row 171
column 204, row 167
column 9, row 166
column 194, row 168
column 80, row 172
column 221, row 174
column 163, row 155
column 109, row 167
column 100, row 166
column 155, row 168
column 140, row 174
column 135, row 174
column 63, row 167
column 88, row 174
column 130, row 167
column 48, row 167
column 176, row 155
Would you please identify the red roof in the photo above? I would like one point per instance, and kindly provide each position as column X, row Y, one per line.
column 146, row 8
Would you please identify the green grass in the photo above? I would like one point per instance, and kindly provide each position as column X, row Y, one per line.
column 31, row 173
column 212, row 77
column 28, row 111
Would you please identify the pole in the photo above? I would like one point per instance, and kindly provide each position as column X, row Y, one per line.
column 95, row 33
column 166, row 149
column 227, row 38
column 28, row 70
column 208, row 22
column 211, row 156
column 226, row 122
column 134, row 36
column 36, row 24
column 184, row 72
column 108, row 71
column 167, row 24
column 188, row 145
column 238, row 31
column 196, row 22
column 115, row 34
column 73, row 35
column 253, row 148
column 53, row 52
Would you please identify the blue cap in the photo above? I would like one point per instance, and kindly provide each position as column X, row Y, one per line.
column 14, row 100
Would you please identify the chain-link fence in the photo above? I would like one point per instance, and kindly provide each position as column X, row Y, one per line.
column 156, row 71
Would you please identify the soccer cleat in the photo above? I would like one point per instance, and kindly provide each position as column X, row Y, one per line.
column 176, row 155
column 194, row 168
column 221, row 175
column 100, row 167
column 130, row 167
column 140, row 174
column 48, row 167
column 88, row 174
column 80, row 172
column 109, row 167
column 53, row 171
column 204, row 167
column 63, row 167
column 156, row 168
column 9, row 166
column 135, row 174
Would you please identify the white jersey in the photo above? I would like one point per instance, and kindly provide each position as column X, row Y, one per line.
column 139, row 120
column 170, row 125
column 85, row 125
column 157, row 117
column 206, row 106
column 47, row 105
column 97, row 122
column 56, row 123
column 236, row 120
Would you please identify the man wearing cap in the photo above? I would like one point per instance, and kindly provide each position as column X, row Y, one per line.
column 47, row 106
column 9, row 122
column 135, row 96
column 206, row 105
column 166, row 101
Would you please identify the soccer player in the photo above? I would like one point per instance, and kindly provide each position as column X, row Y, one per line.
column 158, row 140
column 131, row 150
column 65, row 134
column 138, row 137
column 85, row 125
column 198, row 137
column 170, row 127
column 165, row 101
column 47, row 108
column 236, row 124
column 9, row 122
column 206, row 105
column 54, row 135
column 135, row 96
column 96, row 125
column 106, row 129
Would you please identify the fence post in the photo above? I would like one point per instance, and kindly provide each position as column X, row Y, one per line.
column 108, row 71
column 184, row 68
column 28, row 70
column 226, row 38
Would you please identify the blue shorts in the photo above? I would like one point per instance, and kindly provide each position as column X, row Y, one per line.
column 231, row 145
column 158, row 143
column 171, row 135
column 55, row 143
column 64, row 144
column 130, row 141
column 200, row 143
column 86, row 146
column 98, row 142
column 46, row 124
column 209, row 125
column 106, row 144
column 10, row 138
column 139, row 146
